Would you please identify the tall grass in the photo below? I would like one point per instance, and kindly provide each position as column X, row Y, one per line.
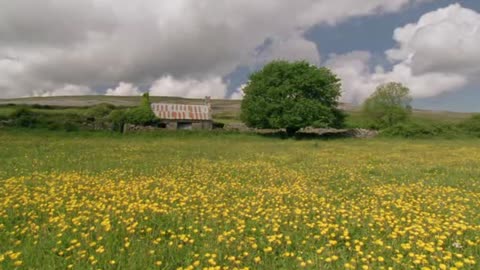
column 93, row 200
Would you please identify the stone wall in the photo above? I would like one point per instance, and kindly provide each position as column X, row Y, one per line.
column 170, row 125
column 313, row 132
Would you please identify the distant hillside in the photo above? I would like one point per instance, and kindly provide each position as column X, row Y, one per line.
column 223, row 109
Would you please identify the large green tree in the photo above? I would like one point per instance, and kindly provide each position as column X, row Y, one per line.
column 292, row 95
column 388, row 105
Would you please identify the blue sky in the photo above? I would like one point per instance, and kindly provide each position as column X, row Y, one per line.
column 195, row 48
column 374, row 34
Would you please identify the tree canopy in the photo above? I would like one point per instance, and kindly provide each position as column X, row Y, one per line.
column 292, row 95
column 388, row 105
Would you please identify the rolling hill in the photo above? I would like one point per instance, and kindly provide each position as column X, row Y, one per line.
column 223, row 109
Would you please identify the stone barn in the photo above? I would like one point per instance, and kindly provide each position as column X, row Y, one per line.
column 184, row 116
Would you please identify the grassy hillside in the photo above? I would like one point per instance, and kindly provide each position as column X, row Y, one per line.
column 226, row 110
column 223, row 110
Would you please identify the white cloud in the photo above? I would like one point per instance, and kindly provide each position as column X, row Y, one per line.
column 355, row 73
column 191, row 88
column 435, row 55
column 66, row 90
column 238, row 93
column 292, row 48
column 446, row 40
column 103, row 42
column 124, row 89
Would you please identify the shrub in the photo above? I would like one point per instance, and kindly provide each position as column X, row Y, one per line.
column 40, row 106
column 99, row 111
column 117, row 118
column 472, row 125
column 388, row 105
column 422, row 130
column 24, row 117
column 54, row 126
column 218, row 125
column 70, row 127
column 141, row 115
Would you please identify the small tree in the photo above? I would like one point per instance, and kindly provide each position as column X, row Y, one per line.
column 291, row 96
column 388, row 105
column 141, row 115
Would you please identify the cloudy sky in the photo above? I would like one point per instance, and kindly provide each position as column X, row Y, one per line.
column 194, row 48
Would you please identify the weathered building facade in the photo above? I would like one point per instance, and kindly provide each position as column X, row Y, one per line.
column 184, row 116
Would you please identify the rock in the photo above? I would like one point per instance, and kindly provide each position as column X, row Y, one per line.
column 240, row 127
column 338, row 133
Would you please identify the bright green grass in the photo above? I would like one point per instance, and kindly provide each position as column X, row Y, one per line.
column 240, row 197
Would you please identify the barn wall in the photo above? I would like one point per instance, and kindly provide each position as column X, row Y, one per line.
column 196, row 125
column 172, row 125
column 202, row 125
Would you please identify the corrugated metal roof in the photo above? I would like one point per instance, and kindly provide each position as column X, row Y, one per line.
column 181, row 111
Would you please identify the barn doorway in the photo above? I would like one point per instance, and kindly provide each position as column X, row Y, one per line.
column 184, row 125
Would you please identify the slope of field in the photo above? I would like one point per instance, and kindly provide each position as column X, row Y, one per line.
column 192, row 201
column 223, row 109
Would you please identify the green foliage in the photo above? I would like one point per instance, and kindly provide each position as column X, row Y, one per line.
column 24, row 117
column 423, row 130
column 432, row 128
column 70, row 127
column 388, row 105
column 99, row 111
column 118, row 119
column 292, row 96
column 141, row 115
column 472, row 125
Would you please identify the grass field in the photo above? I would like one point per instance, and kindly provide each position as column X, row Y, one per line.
column 225, row 111
column 231, row 201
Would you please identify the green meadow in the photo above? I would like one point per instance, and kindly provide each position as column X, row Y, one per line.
column 188, row 200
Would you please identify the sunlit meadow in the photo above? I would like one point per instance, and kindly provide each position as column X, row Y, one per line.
column 237, row 202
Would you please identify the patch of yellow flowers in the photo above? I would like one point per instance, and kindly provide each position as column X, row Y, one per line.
column 251, row 214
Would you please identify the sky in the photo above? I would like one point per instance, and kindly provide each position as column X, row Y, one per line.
column 194, row 48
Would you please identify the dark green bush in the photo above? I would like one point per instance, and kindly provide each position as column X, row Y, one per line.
column 117, row 118
column 54, row 126
column 141, row 115
column 422, row 130
column 24, row 117
column 472, row 125
column 40, row 106
column 99, row 111
column 218, row 125
column 71, row 127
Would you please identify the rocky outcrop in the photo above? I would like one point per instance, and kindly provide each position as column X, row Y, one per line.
column 339, row 133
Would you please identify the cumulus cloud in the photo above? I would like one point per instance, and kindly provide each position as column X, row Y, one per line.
column 437, row 54
column 124, row 89
column 292, row 48
column 239, row 93
column 66, row 90
column 93, row 43
column 191, row 88
column 445, row 41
